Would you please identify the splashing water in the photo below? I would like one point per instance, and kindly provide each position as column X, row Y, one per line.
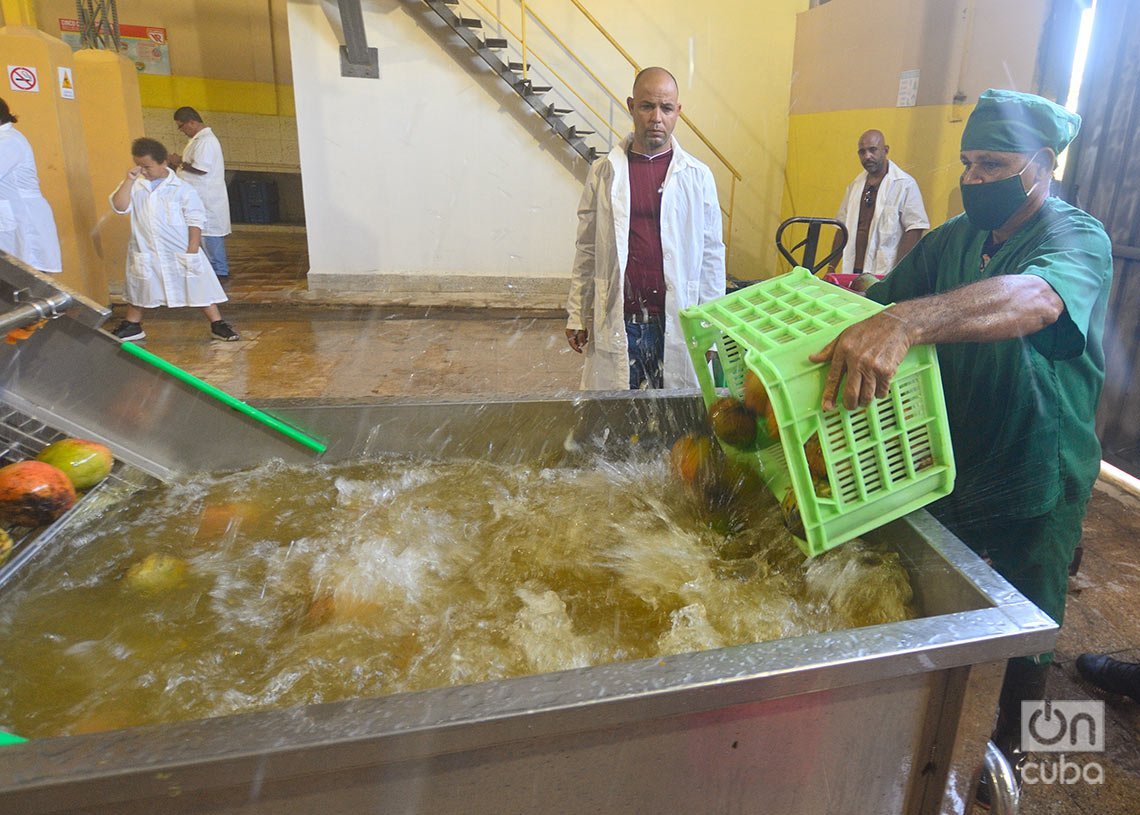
column 286, row 586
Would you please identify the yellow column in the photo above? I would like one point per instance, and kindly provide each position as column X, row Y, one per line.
column 19, row 12
column 112, row 119
column 49, row 117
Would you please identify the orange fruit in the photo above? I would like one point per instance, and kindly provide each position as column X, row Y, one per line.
column 770, row 423
column 34, row 493
column 813, row 452
column 755, row 395
column 691, row 458
column 732, row 422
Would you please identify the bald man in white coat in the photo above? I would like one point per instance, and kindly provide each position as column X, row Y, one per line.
column 649, row 244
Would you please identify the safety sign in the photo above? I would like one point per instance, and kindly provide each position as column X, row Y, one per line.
column 144, row 45
column 23, row 78
column 66, row 84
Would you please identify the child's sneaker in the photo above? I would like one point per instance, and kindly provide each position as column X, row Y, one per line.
column 222, row 331
column 129, row 331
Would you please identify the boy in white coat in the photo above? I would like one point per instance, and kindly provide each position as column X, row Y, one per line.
column 165, row 264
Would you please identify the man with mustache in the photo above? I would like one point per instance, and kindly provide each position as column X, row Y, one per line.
column 1014, row 294
column 649, row 244
column 882, row 209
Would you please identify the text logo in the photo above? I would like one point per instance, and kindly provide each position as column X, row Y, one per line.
column 1062, row 726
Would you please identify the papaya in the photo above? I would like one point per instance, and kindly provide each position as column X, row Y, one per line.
column 34, row 493
column 732, row 422
column 85, row 462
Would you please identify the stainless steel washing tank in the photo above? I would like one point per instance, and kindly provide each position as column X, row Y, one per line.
column 869, row 720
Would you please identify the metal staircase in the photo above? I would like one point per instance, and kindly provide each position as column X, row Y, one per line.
column 490, row 49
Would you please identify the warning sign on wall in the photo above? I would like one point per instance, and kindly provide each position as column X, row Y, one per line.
column 23, row 78
column 144, row 45
column 66, row 84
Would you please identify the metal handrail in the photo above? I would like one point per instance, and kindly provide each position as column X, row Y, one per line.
column 602, row 118
column 736, row 174
column 527, row 53
column 521, row 37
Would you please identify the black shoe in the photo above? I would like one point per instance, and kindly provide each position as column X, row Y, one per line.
column 222, row 331
column 1111, row 674
column 129, row 331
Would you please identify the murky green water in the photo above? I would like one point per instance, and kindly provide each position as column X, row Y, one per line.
column 286, row 586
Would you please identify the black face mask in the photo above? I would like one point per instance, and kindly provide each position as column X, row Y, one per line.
column 990, row 205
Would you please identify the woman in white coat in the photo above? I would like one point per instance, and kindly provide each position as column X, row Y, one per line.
column 165, row 264
column 27, row 228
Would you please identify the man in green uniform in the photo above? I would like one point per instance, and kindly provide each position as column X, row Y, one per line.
column 1014, row 294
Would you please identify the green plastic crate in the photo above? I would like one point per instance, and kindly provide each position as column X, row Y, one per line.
column 883, row 461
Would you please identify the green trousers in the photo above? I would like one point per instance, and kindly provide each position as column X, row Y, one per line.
column 1031, row 553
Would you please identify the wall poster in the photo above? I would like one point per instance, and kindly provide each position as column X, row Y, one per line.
column 146, row 46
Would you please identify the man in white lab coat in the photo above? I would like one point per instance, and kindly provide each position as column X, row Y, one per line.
column 882, row 209
column 203, row 167
column 27, row 228
column 649, row 244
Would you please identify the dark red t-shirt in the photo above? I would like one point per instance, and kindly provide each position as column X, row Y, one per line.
column 645, row 269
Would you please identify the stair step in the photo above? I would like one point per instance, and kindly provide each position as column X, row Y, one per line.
column 559, row 111
column 538, row 90
column 516, row 66
column 470, row 22
column 495, row 42
column 574, row 131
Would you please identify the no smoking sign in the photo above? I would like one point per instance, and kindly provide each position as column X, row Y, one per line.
column 23, row 78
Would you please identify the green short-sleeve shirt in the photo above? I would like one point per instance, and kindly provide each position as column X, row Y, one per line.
column 1021, row 411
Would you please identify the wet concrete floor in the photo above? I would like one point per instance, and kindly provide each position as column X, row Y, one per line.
column 298, row 343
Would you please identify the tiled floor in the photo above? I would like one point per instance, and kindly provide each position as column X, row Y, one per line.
column 297, row 343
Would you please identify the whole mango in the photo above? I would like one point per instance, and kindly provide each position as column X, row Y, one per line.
column 34, row 493
column 732, row 422
column 156, row 572
column 755, row 395
column 693, row 459
column 85, row 463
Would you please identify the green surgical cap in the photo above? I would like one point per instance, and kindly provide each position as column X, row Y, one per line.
column 1012, row 122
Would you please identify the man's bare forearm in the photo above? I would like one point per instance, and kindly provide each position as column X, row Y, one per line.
column 869, row 352
column 999, row 308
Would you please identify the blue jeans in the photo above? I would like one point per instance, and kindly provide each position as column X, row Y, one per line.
column 215, row 249
column 646, row 343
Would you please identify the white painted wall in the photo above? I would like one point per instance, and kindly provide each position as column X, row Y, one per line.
column 428, row 173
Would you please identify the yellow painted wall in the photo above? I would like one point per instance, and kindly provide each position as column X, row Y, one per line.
column 923, row 141
column 225, row 55
column 959, row 49
column 221, row 95
column 733, row 62
column 734, row 66
column 112, row 119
